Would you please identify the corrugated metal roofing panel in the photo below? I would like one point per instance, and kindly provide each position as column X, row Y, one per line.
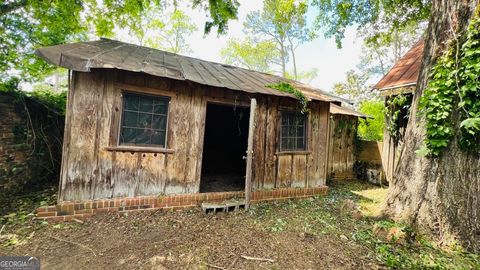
column 106, row 53
column 335, row 109
column 405, row 71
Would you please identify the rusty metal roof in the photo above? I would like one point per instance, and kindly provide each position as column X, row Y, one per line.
column 405, row 71
column 107, row 53
column 335, row 109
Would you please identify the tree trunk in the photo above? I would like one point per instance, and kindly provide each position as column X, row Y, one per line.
column 283, row 56
column 440, row 195
column 292, row 51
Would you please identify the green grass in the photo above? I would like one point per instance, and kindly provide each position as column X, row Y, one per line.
column 318, row 217
column 323, row 215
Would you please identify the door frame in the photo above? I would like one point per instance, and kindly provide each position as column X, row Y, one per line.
column 216, row 101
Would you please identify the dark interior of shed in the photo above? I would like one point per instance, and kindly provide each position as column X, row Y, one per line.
column 225, row 145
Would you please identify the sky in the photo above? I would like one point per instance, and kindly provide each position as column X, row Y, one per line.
column 321, row 53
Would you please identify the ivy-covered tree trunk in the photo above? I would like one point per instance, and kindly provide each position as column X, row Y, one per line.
column 440, row 194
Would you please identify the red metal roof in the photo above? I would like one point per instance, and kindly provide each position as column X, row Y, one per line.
column 405, row 71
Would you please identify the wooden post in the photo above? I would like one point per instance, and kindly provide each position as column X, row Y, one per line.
column 251, row 133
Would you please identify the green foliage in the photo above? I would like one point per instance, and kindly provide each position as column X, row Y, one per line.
column 469, row 104
column 372, row 129
column 164, row 30
column 288, row 88
column 29, row 24
column 305, row 76
column 279, row 225
column 259, row 56
column 55, row 102
column 355, row 87
column 437, row 104
column 221, row 12
column 397, row 114
column 17, row 213
column 453, row 95
column 334, row 16
column 380, row 50
column 284, row 23
column 38, row 138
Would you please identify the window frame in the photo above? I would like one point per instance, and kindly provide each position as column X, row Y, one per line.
column 306, row 136
column 120, row 124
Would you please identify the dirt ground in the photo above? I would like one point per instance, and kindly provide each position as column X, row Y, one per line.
column 188, row 240
column 302, row 234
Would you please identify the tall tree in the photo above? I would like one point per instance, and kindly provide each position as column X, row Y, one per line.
column 381, row 17
column 439, row 193
column 28, row 24
column 282, row 22
column 164, row 30
column 435, row 192
column 381, row 51
column 260, row 56
column 355, row 88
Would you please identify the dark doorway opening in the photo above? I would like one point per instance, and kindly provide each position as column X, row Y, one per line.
column 224, row 146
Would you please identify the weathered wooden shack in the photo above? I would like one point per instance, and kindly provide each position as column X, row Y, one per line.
column 401, row 80
column 341, row 144
column 145, row 122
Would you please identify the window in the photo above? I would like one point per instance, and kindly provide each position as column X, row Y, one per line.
column 293, row 132
column 144, row 120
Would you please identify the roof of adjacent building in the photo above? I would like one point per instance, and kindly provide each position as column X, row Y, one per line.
column 335, row 109
column 405, row 72
column 107, row 53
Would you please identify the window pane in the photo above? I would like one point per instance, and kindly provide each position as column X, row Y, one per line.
column 291, row 144
column 128, row 135
column 160, row 106
column 131, row 102
column 285, row 131
column 159, row 122
column 291, row 131
column 143, row 136
column 298, row 120
column 300, row 144
column 146, row 104
column 158, row 138
column 300, row 131
column 144, row 120
column 285, row 119
column 130, row 119
column 284, row 145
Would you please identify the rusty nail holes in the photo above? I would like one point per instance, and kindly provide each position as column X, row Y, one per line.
column 155, row 154
column 144, row 155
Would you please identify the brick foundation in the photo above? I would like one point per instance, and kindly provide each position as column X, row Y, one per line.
column 66, row 211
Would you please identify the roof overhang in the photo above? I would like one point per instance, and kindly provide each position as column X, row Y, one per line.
column 397, row 90
column 112, row 54
column 335, row 109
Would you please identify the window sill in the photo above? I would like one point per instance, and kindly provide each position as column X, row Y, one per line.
column 139, row 149
column 283, row 153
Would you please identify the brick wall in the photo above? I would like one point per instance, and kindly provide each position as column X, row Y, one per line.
column 66, row 211
column 13, row 153
column 30, row 148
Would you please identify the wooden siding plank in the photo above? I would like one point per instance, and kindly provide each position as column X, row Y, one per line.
column 284, row 173
column 81, row 173
column 271, row 137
